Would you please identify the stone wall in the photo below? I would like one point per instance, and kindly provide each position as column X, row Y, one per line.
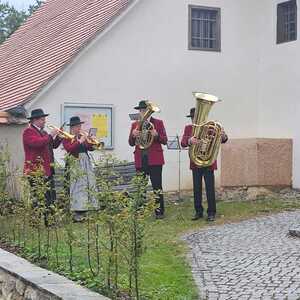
column 244, row 193
column 20, row 280
column 257, row 162
column 14, row 288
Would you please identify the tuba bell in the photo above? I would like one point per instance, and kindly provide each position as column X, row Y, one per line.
column 208, row 132
column 145, row 139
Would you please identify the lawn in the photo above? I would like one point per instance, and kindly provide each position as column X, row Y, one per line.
column 165, row 272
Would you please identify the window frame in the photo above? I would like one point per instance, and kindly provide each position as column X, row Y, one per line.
column 218, row 29
column 279, row 30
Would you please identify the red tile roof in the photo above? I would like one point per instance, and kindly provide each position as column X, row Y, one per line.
column 47, row 42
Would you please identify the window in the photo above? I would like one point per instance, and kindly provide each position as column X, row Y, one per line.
column 286, row 21
column 204, row 28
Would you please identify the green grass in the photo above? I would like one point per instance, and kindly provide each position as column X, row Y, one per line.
column 165, row 272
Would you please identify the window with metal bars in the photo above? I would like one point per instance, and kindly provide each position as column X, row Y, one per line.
column 287, row 21
column 204, row 28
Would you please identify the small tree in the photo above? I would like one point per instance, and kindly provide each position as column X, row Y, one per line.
column 5, row 201
column 11, row 18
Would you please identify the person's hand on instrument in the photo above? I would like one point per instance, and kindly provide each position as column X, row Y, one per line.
column 135, row 132
column 194, row 141
column 82, row 139
column 224, row 136
column 154, row 132
column 54, row 132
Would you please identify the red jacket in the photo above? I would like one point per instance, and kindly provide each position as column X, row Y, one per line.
column 38, row 148
column 188, row 130
column 74, row 147
column 155, row 151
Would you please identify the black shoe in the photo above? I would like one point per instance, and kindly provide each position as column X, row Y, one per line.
column 211, row 218
column 159, row 217
column 79, row 217
column 197, row 217
column 158, row 214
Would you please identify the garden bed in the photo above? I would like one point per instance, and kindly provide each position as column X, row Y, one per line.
column 164, row 271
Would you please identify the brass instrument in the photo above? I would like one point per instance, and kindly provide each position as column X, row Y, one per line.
column 145, row 139
column 97, row 144
column 208, row 132
column 61, row 133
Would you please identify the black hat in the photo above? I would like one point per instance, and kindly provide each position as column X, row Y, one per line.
column 142, row 105
column 37, row 113
column 192, row 113
column 75, row 121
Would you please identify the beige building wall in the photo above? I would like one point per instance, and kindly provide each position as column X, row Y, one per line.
column 11, row 135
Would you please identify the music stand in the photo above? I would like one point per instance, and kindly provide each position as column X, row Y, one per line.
column 134, row 116
column 174, row 144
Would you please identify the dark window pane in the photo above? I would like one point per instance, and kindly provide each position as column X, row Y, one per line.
column 195, row 28
column 292, row 27
column 213, row 15
column 195, row 13
column 293, row 36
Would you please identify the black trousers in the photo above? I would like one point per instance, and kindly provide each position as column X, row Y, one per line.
column 155, row 174
column 209, row 179
column 50, row 195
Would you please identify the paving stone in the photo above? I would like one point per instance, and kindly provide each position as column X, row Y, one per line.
column 253, row 259
column 295, row 230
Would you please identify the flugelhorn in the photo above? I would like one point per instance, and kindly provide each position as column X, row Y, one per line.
column 97, row 144
column 61, row 133
column 145, row 139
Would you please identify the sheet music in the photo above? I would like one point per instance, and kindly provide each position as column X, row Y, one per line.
column 134, row 116
column 174, row 144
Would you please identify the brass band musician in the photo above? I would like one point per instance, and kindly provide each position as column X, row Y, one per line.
column 201, row 172
column 147, row 136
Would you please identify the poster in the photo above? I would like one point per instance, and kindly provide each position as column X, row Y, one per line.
column 93, row 116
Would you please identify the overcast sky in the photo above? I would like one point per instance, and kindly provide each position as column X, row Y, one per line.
column 20, row 4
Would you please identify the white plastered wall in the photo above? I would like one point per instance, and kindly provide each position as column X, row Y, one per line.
column 146, row 56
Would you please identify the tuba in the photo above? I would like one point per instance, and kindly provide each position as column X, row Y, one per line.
column 145, row 139
column 208, row 132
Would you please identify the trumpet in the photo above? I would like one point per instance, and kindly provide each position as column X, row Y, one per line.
column 61, row 133
column 97, row 144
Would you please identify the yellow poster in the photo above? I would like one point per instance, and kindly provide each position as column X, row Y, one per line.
column 100, row 121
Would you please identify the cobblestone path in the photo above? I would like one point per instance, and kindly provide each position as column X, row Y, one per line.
column 253, row 259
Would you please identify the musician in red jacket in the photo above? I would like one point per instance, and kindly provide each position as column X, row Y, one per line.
column 150, row 161
column 38, row 148
column 206, row 172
